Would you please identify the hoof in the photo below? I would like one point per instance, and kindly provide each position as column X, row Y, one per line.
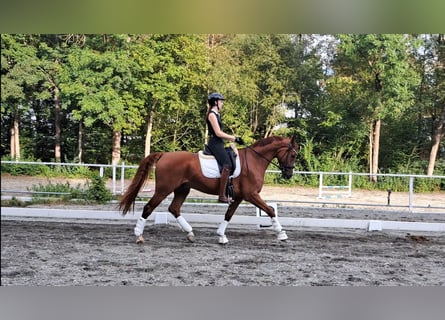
column 140, row 240
column 223, row 239
column 282, row 236
column 191, row 237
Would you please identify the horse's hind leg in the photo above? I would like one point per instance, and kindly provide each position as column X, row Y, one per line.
column 221, row 232
column 148, row 209
column 175, row 208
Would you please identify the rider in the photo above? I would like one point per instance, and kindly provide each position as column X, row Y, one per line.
column 216, row 141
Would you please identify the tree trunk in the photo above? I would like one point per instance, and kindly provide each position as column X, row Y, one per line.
column 15, row 137
column 58, row 135
column 375, row 149
column 371, row 139
column 254, row 118
column 148, row 135
column 80, row 142
column 175, row 131
column 116, row 152
column 438, row 136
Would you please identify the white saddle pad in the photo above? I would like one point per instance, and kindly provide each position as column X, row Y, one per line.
column 210, row 169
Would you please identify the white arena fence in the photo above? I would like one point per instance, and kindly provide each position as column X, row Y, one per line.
column 326, row 193
column 323, row 198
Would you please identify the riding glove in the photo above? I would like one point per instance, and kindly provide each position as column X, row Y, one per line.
column 239, row 140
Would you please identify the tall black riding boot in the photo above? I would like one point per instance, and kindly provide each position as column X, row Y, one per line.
column 222, row 185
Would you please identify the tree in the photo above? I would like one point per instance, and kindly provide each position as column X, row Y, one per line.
column 51, row 55
column 101, row 81
column 438, row 99
column 381, row 66
column 265, row 77
column 19, row 72
column 169, row 70
column 306, row 83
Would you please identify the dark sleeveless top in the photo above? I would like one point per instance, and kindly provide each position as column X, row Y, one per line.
column 215, row 144
column 210, row 127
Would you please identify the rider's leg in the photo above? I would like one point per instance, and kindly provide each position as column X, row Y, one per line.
column 223, row 184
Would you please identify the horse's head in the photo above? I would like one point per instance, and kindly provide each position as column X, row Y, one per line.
column 286, row 158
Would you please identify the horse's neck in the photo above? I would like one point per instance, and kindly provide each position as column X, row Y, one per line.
column 268, row 151
column 263, row 154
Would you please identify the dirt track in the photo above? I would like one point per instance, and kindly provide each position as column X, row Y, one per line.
column 70, row 253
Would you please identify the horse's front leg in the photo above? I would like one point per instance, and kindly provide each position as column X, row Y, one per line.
column 180, row 194
column 257, row 201
column 221, row 232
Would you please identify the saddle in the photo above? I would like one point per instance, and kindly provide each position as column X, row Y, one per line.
column 210, row 167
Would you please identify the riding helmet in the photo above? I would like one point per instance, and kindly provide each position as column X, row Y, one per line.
column 214, row 97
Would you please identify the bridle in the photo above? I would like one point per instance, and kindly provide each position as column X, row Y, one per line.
column 279, row 166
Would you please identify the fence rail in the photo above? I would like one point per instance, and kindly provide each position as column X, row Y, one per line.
column 321, row 189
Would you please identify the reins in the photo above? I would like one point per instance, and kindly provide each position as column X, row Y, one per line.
column 263, row 157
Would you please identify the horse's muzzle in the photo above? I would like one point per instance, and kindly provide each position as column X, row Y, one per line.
column 287, row 173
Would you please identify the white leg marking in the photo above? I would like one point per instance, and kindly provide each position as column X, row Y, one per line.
column 223, row 239
column 222, row 228
column 184, row 224
column 221, row 232
column 139, row 228
column 276, row 226
column 282, row 235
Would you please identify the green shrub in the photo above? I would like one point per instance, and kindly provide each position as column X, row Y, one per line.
column 13, row 202
column 97, row 191
column 63, row 190
column 94, row 191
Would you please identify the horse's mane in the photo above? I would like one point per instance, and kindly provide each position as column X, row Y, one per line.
column 266, row 141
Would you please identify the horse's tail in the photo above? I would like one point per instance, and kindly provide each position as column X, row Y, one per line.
column 142, row 173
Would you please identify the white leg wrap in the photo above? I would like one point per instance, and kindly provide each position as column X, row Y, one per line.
column 276, row 226
column 139, row 228
column 222, row 228
column 184, row 224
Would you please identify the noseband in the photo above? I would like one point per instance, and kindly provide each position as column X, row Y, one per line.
column 289, row 149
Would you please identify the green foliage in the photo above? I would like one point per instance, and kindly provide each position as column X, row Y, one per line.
column 22, row 169
column 45, row 170
column 97, row 191
column 13, row 202
column 63, row 190
column 94, row 191
column 332, row 88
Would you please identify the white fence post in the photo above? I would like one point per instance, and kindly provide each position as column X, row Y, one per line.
column 122, row 178
column 114, row 178
column 350, row 184
column 411, row 193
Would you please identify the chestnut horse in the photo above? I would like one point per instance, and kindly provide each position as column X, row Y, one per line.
column 180, row 171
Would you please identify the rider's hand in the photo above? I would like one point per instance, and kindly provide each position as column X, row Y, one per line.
column 239, row 140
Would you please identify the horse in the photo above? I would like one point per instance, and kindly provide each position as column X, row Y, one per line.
column 180, row 171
